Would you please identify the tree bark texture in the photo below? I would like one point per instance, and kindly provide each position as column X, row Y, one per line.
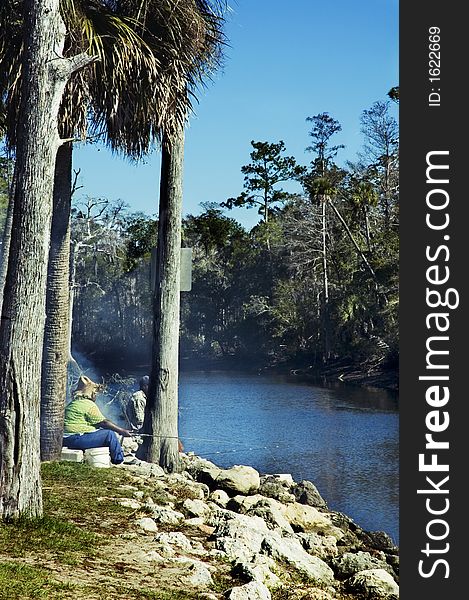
column 325, row 275
column 56, row 335
column 161, row 414
column 45, row 74
column 6, row 243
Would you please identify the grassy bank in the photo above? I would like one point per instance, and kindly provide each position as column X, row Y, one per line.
column 76, row 550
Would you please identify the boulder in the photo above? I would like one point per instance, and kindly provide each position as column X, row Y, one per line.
column 273, row 513
column 260, row 568
column 276, row 488
column 220, row 497
column 174, row 539
column 303, row 517
column 306, row 492
column 323, row 546
column 196, row 508
column 146, row 524
column 291, row 552
column 374, row 584
column 240, row 536
column 166, row 516
column 195, row 573
column 204, row 471
column 254, row 590
column 239, row 480
column 351, row 563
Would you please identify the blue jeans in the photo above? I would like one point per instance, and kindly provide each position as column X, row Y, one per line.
column 97, row 439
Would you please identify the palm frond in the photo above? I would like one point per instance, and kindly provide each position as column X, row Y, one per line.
column 153, row 55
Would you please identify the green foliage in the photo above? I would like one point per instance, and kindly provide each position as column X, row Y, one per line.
column 267, row 169
column 141, row 234
column 324, row 127
column 258, row 297
column 394, row 94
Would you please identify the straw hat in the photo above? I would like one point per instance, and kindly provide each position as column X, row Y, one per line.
column 87, row 387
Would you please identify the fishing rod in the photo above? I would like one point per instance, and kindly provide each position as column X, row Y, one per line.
column 192, row 439
column 170, row 437
column 244, row 447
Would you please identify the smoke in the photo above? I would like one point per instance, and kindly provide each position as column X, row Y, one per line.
column 117, row 392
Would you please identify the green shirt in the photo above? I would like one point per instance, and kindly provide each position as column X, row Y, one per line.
column 82, row 415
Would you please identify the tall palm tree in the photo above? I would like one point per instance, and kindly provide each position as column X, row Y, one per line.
column 45, row 72
column 151, row 56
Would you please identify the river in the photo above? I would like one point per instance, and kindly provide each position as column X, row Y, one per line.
column 345, row 438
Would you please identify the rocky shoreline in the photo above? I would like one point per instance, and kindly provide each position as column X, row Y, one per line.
column 272, row 537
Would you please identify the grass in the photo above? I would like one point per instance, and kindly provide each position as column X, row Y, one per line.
column 81, row 519
column 46, row 534
column 23, row 581
column 84, row 495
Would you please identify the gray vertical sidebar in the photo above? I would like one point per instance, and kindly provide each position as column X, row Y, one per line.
column 434, row 239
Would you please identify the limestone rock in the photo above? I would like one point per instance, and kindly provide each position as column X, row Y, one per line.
column 196, row 508
column 272, row 511
column 303, row 517
column 254, row 590
column 306, row 492
column 290, row 551
column 277, row 488
column 239, row 479
column 166, row 516
column 351, row 563
column 240, row 536
column 260, row 568
column 323, row 546
column 374, row 584
column 174, row 539
column 220, row 497
column 195, row 572
column 129, row 503
column 147, row 524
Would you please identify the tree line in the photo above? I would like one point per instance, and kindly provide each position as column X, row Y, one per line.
column 314, row 283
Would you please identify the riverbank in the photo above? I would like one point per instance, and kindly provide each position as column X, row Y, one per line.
column 135, row 533
column 387, row 379
column 371, row 374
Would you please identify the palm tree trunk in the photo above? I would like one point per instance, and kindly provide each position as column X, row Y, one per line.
column 56, row 337
column 44, row 76
column 23, row 313
column 161, row 414
column 6, row 241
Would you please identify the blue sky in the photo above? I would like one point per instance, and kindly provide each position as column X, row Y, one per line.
column 285, row 61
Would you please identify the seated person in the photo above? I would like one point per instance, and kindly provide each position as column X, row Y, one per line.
column 86, row 427
column 135, row 409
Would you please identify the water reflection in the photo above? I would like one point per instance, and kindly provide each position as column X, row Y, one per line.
column 344, row 438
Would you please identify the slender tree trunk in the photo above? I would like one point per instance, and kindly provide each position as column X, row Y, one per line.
column 354, row 242
column 56, row 336
column 6, row 241
column 367, row 229
column 325, row 275
column 45, row 75
column 161, row 415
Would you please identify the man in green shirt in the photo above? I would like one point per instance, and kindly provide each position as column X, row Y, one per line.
column 86, row 427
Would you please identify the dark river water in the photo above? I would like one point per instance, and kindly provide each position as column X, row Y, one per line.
column 343, row 438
